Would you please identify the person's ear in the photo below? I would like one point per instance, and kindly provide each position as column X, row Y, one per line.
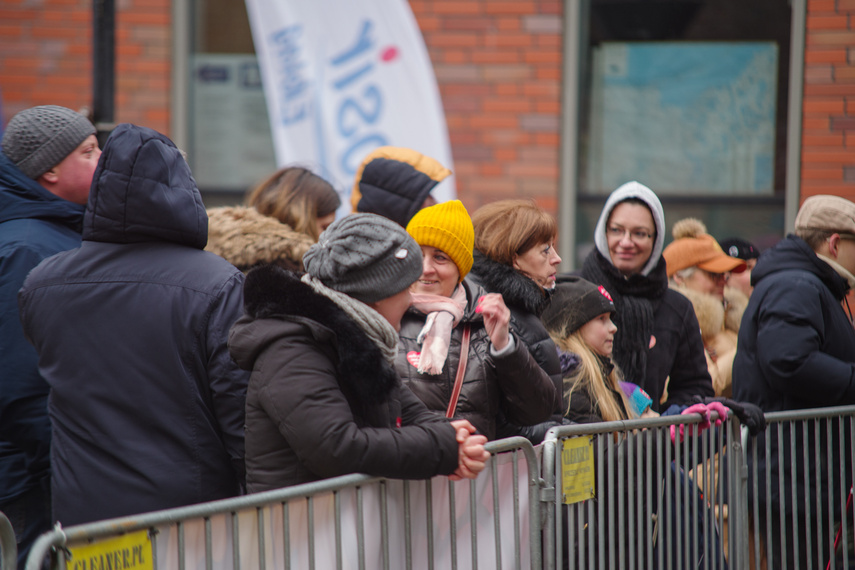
column 515, row 264
column 51, row 177
column 833, row 245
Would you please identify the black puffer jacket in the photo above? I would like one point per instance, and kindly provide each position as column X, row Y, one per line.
column 322, row 401
column 513, row 382
column 795, row 351
column 526, row 300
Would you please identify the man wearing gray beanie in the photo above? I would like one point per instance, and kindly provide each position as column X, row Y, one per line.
column 48, row 158
column 324, row 398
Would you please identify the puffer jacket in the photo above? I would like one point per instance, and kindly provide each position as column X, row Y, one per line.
column 526, row 300
column 322, row 401
column 34, row 224
column 146, row 406
column 513, row 383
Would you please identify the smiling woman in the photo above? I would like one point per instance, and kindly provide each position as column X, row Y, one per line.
column 458, row 332
column 657, row 344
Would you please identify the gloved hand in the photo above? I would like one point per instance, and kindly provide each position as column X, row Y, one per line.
column 704, row 410
column 749, row 415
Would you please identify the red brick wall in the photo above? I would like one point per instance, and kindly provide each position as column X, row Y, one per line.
column 828, row 137
column 46, row 57
column 498, row 64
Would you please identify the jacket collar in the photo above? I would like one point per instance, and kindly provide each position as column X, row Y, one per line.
column 516, row 289
column 271, row 292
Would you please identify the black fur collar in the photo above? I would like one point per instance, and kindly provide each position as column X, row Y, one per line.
column 517, row 290
column 363, row 374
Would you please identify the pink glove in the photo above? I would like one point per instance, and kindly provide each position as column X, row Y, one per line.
column 704, row 410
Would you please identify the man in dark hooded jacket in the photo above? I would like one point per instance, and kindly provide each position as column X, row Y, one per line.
column 796, row 350
column 49, row 156
column 146, row 405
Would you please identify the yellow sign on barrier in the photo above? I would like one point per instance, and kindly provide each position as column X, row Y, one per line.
column 129, row 551
column 577, row 470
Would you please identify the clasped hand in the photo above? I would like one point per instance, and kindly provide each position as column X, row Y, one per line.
column 472, row 457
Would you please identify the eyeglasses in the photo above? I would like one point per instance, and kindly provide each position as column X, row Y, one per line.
column 638, row 236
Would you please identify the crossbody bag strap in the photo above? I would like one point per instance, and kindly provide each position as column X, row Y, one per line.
column 461, row 371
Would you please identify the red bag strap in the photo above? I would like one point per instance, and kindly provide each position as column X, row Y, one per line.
column 461, row 371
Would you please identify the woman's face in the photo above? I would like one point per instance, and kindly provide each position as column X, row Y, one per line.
column 599, row 334
column 324, row 222
column 540, row 264
column 440, row 275
column 630, row 232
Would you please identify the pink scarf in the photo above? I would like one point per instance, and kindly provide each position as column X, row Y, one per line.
column 443, row 314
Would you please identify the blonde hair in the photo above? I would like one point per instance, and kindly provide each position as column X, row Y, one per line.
column 508, row 228
column 589, row 376
column 297, row 197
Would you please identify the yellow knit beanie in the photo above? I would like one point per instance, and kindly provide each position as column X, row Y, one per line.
column 447, row 227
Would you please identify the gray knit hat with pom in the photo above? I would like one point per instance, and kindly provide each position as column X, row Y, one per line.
column 366, row 256
column 39, row 138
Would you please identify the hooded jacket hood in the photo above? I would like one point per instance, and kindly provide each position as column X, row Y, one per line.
column 640, row 191
column 794, row 253
column 143, row 191
column 24, row 198
column 394, row 182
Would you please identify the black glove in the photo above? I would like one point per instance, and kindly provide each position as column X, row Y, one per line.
column 749, row 415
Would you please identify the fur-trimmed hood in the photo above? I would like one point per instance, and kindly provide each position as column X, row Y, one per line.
column 245, row 238
column 278, row 305
column 517, row 290
column 713, row 318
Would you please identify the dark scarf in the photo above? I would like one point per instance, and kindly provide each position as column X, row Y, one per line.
column 634, row 298
column 517, row 290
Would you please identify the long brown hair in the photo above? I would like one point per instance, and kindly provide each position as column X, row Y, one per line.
column 508, row 228
column 297, row 197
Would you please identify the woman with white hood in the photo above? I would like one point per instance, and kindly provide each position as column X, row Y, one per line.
column 658, row 343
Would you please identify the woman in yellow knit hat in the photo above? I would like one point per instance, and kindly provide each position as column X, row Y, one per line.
column 453, row 320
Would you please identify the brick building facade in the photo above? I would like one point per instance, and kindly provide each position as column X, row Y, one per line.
column 498, row 64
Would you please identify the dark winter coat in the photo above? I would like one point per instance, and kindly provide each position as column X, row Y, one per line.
column 526, row 300
column 322, row 400
column 513, row 382
column 34, row 224
column 146, row 405
column 796, row 350
column 677, row 361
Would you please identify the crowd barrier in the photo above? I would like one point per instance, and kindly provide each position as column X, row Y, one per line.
column 611, row 495
column 354, row 521
column 627, row 497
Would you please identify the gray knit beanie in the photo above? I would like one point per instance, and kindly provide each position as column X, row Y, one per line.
column 39, row 138
column 366, row 256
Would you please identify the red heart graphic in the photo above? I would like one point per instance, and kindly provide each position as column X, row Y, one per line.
column 413, row 358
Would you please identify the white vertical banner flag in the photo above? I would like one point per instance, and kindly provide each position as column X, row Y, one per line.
column 343, row 77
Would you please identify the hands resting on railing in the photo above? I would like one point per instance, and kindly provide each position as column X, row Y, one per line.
column 749, row 415
column 472, row 456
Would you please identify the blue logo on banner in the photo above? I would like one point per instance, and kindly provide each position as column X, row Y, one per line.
column 357, row 113
column 293, row 85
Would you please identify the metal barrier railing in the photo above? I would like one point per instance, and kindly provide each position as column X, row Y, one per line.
column 607, row 495
column 625, row 496
column 800, row 490
column 491, row 522
column 8, row 544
